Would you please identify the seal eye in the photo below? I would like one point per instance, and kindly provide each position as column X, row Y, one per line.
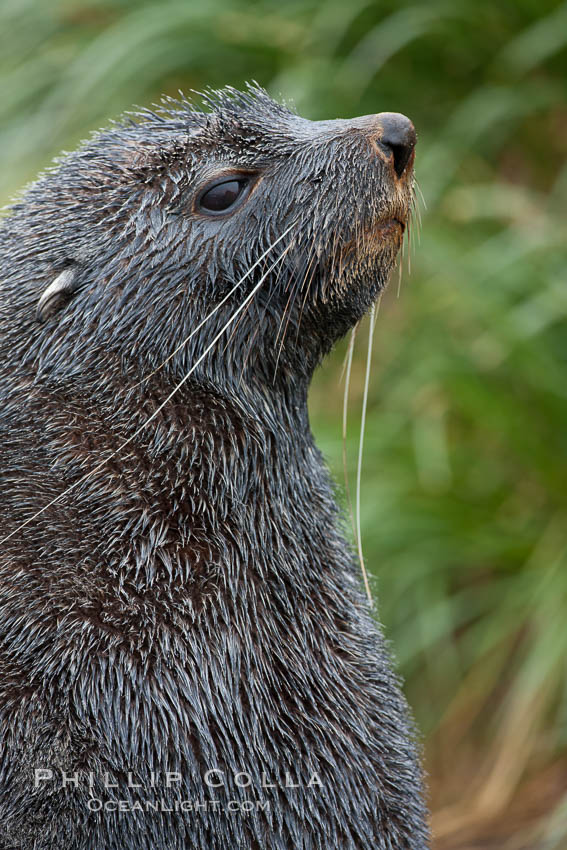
column 222, row 196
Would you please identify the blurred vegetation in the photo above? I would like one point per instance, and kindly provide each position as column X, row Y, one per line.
column 465, row 472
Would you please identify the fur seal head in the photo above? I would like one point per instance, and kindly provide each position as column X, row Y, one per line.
column 150, row 224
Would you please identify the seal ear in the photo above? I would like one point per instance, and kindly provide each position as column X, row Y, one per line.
column 57, row 294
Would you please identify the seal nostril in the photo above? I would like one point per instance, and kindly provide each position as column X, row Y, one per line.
column 402, row 154
column 398, row 135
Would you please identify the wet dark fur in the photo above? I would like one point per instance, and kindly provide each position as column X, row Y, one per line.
column 193, row 604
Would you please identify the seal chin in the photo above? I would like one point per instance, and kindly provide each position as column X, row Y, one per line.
column 390, row 228
column 386, row 232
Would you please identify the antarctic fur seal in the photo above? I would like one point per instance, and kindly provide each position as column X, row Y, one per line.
column 180, row 611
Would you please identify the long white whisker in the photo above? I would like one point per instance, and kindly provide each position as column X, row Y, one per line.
column 156, row 412
column 214, row 310
column 373, row 313
column 346, row 371
column 260, row 323
column 400, row 270
column 286, row 316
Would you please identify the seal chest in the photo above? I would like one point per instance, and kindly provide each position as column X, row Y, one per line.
column 186, row 656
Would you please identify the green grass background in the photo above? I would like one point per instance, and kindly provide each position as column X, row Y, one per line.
column 464, row 486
